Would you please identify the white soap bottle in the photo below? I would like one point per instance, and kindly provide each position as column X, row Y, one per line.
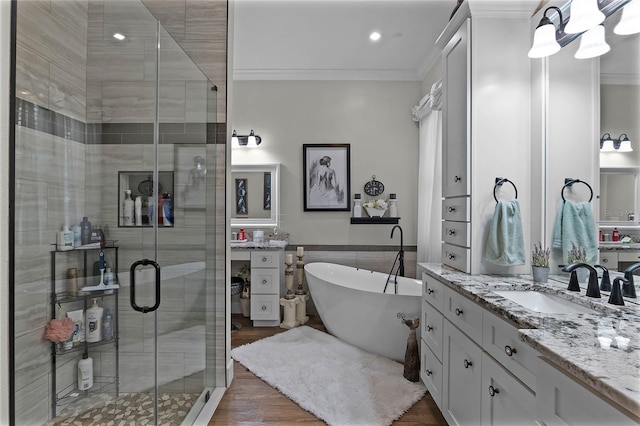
column 393, row 205
column 357, row 207
column 65, row 239
column 85, row 372
column 94, row 323
column 138, row 208
column 127, row 209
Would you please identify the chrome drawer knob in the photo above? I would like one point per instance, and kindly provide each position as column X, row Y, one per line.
column 264, row 281
column 451, row 256
column 428, row 372
column 451, row 209
column 493, row 391
column 452, row 232
column 605, row 260
column 509, row 350
column 429, row 291
column 457, row 178
column 264, row 307
column 458, row 311
column 429, row 328
column 264, row 259
column 467, row 364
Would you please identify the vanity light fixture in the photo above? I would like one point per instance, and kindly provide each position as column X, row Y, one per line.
column 592, row 44
column 583, row 15
column 544, row 39
column 249, row 141
column 622, row 144
column 630, row 20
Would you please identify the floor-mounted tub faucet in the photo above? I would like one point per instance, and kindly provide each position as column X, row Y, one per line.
column 400, row 259
column 592, row 287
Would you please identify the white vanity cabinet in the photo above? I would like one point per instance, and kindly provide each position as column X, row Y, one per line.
column 265, row 287
column 562, row 401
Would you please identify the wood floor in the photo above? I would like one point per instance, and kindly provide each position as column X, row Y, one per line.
column 250, row 401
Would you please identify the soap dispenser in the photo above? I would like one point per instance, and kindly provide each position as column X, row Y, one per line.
column 94, row 322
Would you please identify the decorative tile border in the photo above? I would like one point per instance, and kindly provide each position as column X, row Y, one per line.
column 47, row 121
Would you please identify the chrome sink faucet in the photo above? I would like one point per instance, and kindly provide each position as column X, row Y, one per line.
column 592, row 287
column 629, row 289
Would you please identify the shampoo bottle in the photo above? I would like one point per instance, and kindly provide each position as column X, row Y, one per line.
column 107, row 326
column 85, row 231
column 85, row 372
column 127, row 209
column 138, row 208
column 94, row 323
column 77, row 235
column 167, row 209
column 65, row 239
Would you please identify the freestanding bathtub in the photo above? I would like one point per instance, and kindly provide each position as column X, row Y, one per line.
column 353, row 307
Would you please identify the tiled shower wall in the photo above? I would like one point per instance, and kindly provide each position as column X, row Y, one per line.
column 74, row 134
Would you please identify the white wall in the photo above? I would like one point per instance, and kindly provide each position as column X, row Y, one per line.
column 5, row 66
column 374, row 117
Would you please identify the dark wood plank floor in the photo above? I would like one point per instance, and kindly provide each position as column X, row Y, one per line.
column 250, row 401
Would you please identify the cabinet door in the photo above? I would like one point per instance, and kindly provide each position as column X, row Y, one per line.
column 462, row 378
column 456, row 117
column 505, row 400
column 431, row 374
column 431, row 332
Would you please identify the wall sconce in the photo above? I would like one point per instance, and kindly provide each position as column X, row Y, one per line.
column 583, row 15
column 544, row 39
column 608, row 144
column 249, row 141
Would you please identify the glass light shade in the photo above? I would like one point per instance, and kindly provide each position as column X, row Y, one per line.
column 584, row 15
column 544, row 42
column 625, row 146
column 607, row 146
column 592, row 44
column 234, row 140
column 630, row 19
column 251, row 141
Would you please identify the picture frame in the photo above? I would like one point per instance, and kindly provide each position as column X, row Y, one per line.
column 266, row 198
column 327, row 177
column 241, row 196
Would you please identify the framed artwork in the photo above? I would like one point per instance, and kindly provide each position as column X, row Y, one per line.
column 266, row 203
column 241, row 197
column 327, row 177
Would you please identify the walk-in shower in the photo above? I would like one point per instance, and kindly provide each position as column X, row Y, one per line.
column 115, row 124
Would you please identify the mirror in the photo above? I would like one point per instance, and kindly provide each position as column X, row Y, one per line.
column 619, row 110
column 256, row 194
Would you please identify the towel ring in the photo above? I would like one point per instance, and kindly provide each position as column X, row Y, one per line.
column 571, row 181
column 499, row 182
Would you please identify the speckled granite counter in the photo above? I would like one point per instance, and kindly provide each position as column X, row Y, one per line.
column 250, row 245
column 570, row 340
column 618, row 246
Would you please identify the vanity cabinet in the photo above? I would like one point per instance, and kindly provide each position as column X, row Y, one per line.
column 609, row 259
column 562, row 401
column 265, row 287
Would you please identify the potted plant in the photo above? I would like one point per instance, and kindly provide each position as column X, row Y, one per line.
column 578, row 254
column 375, row 208
column 540, row 263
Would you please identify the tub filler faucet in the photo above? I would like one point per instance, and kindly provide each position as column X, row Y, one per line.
column 399, row 259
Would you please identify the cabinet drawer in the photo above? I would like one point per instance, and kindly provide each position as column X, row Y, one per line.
column 265, row 307
column 431, row 373
column 464, row 314
column 629, row 257
column 456, row 257
column 457, row 233
column 456, row 209
column 265, row 259
column 432, row 323
column 505, row 400
column 609, row 259
column 499, row 339
column 265, row 281
column 433, row 291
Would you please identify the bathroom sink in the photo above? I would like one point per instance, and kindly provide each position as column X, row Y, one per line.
column 543, row 302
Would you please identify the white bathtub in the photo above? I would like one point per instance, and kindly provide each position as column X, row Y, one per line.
column 353, row 307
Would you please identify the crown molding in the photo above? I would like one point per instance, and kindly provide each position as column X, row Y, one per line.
column 617, row 78
column 325, row 74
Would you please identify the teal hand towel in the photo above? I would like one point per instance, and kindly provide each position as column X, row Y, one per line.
column 505, row 245
column 575, row 224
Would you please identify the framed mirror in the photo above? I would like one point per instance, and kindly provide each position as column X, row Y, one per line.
column 256, row 195
column 619, row 194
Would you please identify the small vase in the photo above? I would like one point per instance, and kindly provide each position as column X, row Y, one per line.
column 540, row 274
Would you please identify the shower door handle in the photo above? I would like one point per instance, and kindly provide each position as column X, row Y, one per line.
column 132, row 293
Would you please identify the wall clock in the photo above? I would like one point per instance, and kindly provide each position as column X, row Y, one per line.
column 373, row 187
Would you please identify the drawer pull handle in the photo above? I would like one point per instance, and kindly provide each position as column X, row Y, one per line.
column 428, row 372
column 509, row 350
column 493, row 391
column 451, row 209
column 264, row 281
column 452, row 232
column 457, row 178
column 451, row 256
column 264, row 307
column 458, row 311
column 467, row 364
column 429, row 328
column 264, row 259
column 429, row 291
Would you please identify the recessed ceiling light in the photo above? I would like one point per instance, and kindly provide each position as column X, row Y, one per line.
column 119, row 36
column 375, row 36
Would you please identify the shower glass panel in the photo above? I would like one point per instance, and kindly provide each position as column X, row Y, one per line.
column 120, row 131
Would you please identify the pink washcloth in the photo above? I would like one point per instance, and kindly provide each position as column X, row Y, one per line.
column 59, row 330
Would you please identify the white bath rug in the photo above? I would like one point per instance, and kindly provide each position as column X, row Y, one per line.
column 337, row 382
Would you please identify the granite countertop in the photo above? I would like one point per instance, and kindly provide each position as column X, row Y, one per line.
column 250, row 245
column 610, row 246
column 571, row 340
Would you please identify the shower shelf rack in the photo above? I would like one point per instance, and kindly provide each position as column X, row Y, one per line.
column 102, row 383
